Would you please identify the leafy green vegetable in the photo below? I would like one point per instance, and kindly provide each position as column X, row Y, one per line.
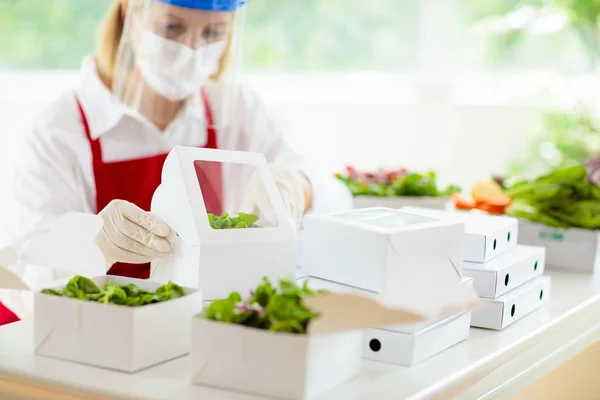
column 562, row 199
column 238, row 221
column 277, row 309
column 129, row 295
column 389, row 184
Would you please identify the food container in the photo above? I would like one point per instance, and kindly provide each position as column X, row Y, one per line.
column 506, row 272
column 124, row 338
column 409, row 349
column 514, row 305
column 379, row 249
column 293, row 366
column 105, row 335
column 572, row 249
column 487, row 236
column 221, row 260
column 405, row 344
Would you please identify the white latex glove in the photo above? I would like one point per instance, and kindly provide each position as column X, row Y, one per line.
column 132, row 235
column 291, row 184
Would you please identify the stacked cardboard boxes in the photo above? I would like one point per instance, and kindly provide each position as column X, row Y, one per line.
column 509, row 276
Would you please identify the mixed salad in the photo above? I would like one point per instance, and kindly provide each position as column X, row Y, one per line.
column 275, row 308
column 82, row 288
column 397, row 183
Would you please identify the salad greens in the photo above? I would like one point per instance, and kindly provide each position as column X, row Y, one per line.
column 274, row 308
column 394, row 184
column 238, row 221
column 83, row 288
column 562, row 199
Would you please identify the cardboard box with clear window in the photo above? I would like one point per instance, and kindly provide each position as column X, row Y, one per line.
column 379, row 249
column 222, row 260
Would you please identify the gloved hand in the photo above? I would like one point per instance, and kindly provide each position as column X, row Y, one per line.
column 291, row 184
column 131, row 235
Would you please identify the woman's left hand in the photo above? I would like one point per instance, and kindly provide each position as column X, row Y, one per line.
column 295, row 191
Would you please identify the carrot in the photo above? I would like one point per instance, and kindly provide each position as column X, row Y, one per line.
column 497, row 201
column 491, row 208
column 462, row 202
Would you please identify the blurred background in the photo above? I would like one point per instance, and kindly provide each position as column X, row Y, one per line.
column 468, row 88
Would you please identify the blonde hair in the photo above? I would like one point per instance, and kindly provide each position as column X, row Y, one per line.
column 109, row 39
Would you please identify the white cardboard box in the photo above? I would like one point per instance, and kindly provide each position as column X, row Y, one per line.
column 514, row 305
column 573, row 249
column 399, row 202
column 105, row 335
column 377, row 248
column 219, row 261
column 281, row 366
column 409, row 349
column 111, row 336
column 506, row 272
column 321, row 284
column 306, row 366
column 487, row 236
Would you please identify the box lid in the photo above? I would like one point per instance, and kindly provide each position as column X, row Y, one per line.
column 380, row 219
column 69, row 245
column 344, row 311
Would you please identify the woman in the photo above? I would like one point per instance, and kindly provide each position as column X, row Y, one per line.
column 158, row 80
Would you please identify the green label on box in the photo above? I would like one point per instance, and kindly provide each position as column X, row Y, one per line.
column 556, row 236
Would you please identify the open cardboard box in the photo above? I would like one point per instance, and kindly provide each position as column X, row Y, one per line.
column 572, row 249
column 506, row 272
column 321, row 284
column 220, row 261
column 487, row 236
column 105, row 335
column 399, row 202
column 378, row 249
column 293, row 366
column 514, row 305
column 409, row 349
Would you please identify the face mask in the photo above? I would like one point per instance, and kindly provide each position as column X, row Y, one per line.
column 174, row 70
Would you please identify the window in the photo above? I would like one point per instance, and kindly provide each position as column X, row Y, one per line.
column 279, row 35
column 518, row 35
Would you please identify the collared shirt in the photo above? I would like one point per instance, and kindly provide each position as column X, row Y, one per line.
column 54, row 172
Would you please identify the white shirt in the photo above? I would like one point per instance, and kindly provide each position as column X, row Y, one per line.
column 54, row 172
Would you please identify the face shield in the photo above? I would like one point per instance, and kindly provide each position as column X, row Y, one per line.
column 174, row 49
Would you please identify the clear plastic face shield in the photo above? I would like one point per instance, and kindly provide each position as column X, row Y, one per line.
column 173, row 50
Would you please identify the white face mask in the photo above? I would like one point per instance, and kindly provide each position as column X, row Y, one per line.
column 175, row 70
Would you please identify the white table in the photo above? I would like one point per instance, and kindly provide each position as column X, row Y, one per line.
column 488, row 365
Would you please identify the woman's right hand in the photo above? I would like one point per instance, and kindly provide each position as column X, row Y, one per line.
column 132, row 235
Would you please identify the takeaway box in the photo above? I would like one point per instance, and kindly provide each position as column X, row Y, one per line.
column 376, row 249
column 514, row 305
column 487, row 236
column 306, row 366
column 105, row 335
column 507, row 271
column 207, row 254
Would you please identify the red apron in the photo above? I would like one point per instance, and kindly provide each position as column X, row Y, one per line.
column 135, row 181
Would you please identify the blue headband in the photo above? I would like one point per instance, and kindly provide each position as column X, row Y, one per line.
column 207, row 5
